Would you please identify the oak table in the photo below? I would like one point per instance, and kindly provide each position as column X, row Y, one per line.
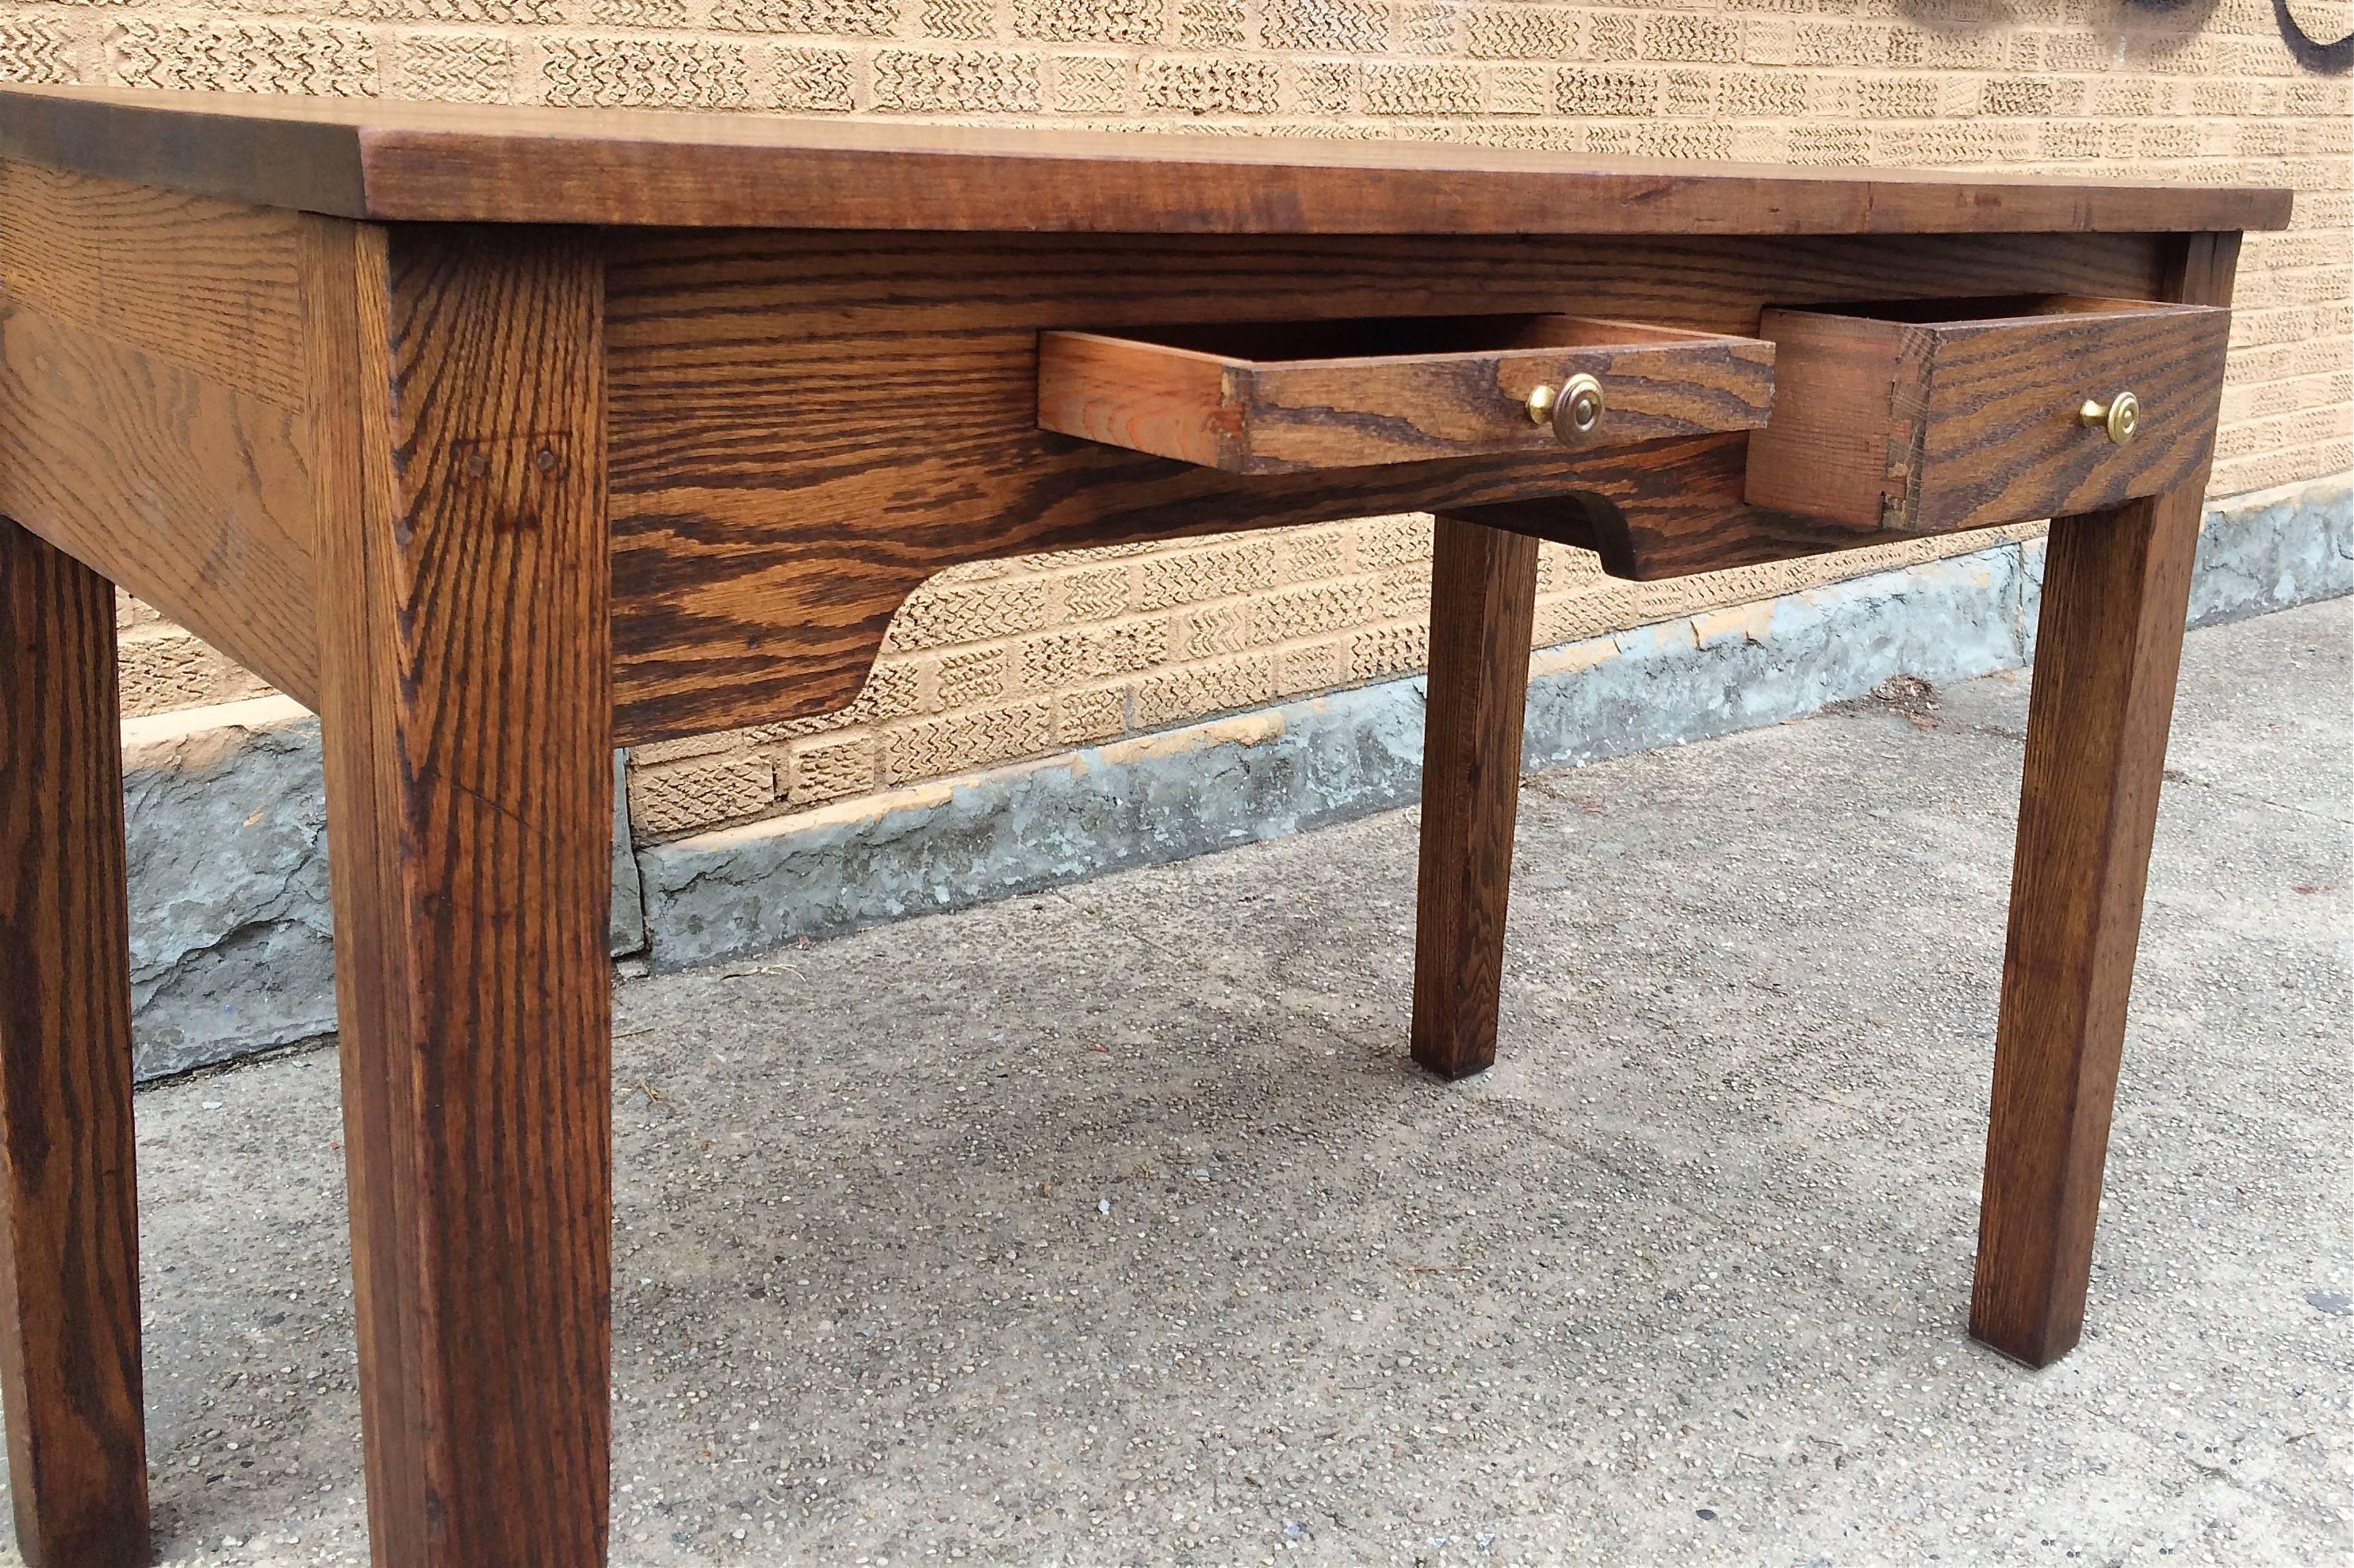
column 502, row 437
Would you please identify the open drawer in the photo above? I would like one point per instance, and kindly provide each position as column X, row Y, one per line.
column 1291, row 396
column 1927, row 417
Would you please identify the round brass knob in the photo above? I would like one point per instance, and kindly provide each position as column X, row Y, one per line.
column 1572, row 409
column 2120, row 416
column 1579, row 407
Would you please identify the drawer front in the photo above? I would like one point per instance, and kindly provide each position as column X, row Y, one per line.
column 1339, row 394
column 1925, row 426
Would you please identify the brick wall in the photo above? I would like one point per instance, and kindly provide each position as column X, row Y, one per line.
column 1021, row 658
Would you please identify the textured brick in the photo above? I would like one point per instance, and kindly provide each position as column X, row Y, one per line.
column 1685, row 36
column 809, row 78
column 1377, row 653
column 1662, row 140
column 2076, row 52
column 1769, row 40
column 830, row 769
column 244, row 56
column 492, row 13
column 1610, row 36
column 638, row 13
column 1605, row 93
column 1957, row 51
column 617, row 72
column 1086, row 654
column 1842, row 43
column 1521, row 89
column 2135, row 97
column 1400, row 87
column 1521, row 33
column 977, row 675
column 1900, row 97
column 1756, row 142
column 1402, row 591
column 974, row 738
column 1424, row 29
column 1089, row 21
column 1384, row 542
column 958, row 18
column 1211, row 25
column 455, row 68
column 161, row 668
column 681, row 796
column 1174, row 86
column 966, row 81
column 1196, row 690
column 1099, row 592
column 1334, row 25
column 1760, row 94
column 37, row 51
column 1097, row 713
column 1312, row 555
column 1326, row 86
column 1821, row 143
column 1311, row 666
column 2026, row 96
column 2333, row 97
column 1188, row 577
column 849, row 18
column 1228, row 626
column 1314, row 608
column 1091, row 84
column 1687, row 92
column 1931, row 145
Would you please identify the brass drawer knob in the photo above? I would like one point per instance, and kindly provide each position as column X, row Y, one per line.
column 2120, row 415
column 1572, row 409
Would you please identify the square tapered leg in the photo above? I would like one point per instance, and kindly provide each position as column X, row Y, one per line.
column 68, row 1207
column 1482, row 609
column 2116, row 587
column 457, row 385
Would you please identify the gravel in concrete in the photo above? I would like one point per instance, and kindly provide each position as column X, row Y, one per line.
column 1113, row 1225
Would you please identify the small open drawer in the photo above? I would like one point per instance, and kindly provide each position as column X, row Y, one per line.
column 1291, row 396
column 1927, row 417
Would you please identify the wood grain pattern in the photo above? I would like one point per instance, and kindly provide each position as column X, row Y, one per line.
column 2115, row 590
column 2199, row 269
column 1290, row 398
column 1483, row 595
column 208, row 286
column 805, row 427
column 186, row 491
column 1969, row 418
column 458, row 444
column 451, row 162
column 70, row 1375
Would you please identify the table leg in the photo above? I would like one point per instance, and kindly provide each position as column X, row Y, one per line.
column 1483, row 586
column 68, row 1203
column 458, row 444
column 2116, row 587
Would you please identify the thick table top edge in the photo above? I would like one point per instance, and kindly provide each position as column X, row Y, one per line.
column 366, row 158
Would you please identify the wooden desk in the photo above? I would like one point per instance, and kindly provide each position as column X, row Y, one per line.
column 502, row 437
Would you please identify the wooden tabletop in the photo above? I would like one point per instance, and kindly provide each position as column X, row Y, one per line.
column 438, row 163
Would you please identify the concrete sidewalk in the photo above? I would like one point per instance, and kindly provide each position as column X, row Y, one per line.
column 1112, row 1225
